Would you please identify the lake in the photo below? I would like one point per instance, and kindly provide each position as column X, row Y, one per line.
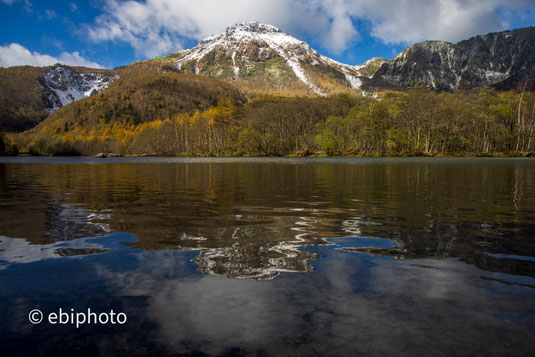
column 282, row 256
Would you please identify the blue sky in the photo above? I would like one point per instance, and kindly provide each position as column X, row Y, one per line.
column 111, row 33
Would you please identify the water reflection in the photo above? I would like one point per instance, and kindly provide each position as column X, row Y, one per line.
column 249, row 219
column 270, row 257
column 20, row 251
column 347, row 307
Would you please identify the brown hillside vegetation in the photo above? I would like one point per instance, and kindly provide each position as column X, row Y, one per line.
column 143, row 97
column 137, row 97
column 210, row 122
column 22, row 102
column 415, row 122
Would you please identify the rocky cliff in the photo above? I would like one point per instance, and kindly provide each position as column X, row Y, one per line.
column 500, row 59
column 62, row 85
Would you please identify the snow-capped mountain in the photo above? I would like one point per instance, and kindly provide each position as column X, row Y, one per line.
column 261, row 57
column 499, row 59
column 62, row 85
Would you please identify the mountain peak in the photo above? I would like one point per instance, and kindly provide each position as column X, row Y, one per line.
column 262, row 57
column 252, row 31
column 253, row 26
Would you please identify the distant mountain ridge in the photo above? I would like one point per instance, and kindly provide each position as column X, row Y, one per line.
column 260, row 57
column 499, row 59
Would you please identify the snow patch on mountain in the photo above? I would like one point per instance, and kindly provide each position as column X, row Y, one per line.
column 494, row 76
column 351, row 73
column 355, row 82
column 62, row 85
column 300, row 74
column 235, row 68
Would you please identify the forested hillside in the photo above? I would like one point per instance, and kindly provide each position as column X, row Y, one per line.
column 138, row 119
column 22, row 104
column 253, row 90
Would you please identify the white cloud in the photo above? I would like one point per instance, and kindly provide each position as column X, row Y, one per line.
column 452, row 21
column 50, row 14
column 158, row 26
column 74, row 59
column 17, row 55
column 153, row 27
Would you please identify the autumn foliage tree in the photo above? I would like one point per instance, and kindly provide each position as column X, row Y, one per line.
column 144, row 116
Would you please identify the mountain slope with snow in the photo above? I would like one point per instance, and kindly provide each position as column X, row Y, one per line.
column 30, row 94
column 63, row 85
column 260, row 57
column 499, row 59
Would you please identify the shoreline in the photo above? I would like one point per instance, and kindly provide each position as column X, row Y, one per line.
column 375, row 155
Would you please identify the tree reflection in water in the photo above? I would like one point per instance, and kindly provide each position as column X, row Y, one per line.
column 250, row 218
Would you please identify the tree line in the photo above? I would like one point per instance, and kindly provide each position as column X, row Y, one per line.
column 415, row 122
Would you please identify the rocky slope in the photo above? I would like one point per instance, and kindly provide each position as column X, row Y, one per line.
column 500, row 59
column 260, row 57
column 371, row 66
column 62, row 85
column 30, row 94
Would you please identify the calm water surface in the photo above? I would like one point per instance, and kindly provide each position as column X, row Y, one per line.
column 297, row 257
